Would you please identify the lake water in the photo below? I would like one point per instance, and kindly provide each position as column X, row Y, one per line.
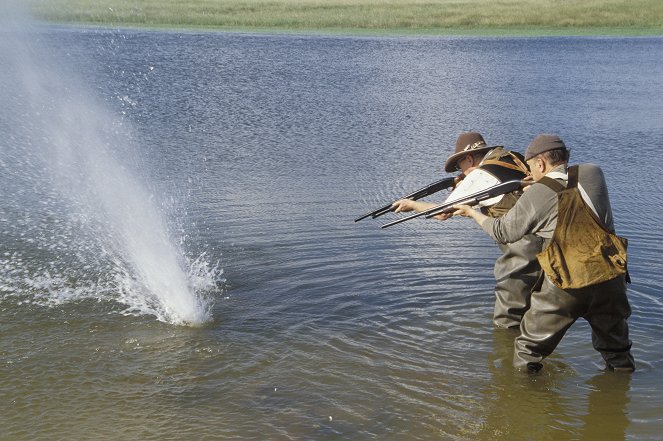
column 178, row 257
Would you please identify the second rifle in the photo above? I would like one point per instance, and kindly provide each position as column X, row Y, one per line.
column 421, row 193
column 472, row 199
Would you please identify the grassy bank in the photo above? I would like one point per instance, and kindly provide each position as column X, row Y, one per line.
column 461, row 17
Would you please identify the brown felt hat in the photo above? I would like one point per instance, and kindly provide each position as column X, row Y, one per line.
column 543, row 143
column 468, row 142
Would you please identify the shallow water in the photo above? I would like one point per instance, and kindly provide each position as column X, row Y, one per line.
column 257, row 152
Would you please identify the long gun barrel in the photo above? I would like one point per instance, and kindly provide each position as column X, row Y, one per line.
column 421, row 193
column 472, row 199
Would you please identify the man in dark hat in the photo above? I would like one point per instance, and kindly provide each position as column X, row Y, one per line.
column 575, row 199
column 471, row 148
column 517, row 269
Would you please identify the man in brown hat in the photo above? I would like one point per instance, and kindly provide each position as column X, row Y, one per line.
column 575, row 199
column 517, row 269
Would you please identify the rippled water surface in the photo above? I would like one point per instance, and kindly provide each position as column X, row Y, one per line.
column 247, row 157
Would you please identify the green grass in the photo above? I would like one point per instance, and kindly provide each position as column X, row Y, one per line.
column 461, row 17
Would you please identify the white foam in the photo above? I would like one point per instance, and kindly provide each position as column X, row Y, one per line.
column 92, row 228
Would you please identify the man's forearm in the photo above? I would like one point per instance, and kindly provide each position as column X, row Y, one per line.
column 405, row 205
column 477, row 215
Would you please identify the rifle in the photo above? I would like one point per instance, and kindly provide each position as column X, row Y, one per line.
column 421, row 193
column 472, row 199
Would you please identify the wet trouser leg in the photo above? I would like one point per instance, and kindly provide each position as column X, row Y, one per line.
column 553, row 311
column 516, row 271
column 608, row 311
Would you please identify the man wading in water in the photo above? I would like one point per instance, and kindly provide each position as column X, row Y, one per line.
column 517, row 269
column 584, row 262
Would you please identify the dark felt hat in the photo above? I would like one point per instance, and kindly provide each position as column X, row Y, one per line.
column 468, row 142
column 543, row 143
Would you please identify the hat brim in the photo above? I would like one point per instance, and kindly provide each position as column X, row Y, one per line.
column 450, row 164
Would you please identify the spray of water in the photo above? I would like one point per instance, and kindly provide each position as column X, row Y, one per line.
column 76, row 220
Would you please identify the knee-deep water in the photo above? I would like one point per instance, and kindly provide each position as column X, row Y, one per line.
column 178, row 257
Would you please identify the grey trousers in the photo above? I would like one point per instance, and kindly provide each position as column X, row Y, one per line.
column 553, row 311
column 516, row 272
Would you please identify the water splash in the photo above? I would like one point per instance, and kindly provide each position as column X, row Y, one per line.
column 76, row 220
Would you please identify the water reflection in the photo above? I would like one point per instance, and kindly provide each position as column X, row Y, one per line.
column 551, row 405
column 608, row 400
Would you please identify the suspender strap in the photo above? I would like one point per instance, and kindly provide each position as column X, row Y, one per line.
column 517, row 163
column 552, row 184
column 557, row 186
column 503, row 164
column 523, row 167
column 573, row 176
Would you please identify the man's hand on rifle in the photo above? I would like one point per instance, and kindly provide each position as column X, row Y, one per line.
column 468, row 211
column 527, row 182
column 442, row 216
column 405, row 205
column 463, row 210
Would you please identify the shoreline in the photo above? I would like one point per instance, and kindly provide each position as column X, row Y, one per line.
column 387, row 33
column 482, row 18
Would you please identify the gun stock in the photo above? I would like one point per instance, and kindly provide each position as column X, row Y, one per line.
column 472, row 199
column 415, row 195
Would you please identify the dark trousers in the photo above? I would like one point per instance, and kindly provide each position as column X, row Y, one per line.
column 516, row 272
column 552, row 312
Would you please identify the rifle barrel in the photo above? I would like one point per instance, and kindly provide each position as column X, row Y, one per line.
column 407, row 218
column 375, row 213
column 472, row 199
column 415, row 195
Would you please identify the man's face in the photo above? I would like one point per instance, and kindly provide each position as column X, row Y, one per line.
column 536, row 167
column 467, row 163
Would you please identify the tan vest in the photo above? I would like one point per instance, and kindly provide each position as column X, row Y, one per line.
column 582, row 252
column 506, row 165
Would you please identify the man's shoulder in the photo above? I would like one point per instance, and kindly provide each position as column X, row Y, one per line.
column 501, row 152
column 589, row 169
column 504, row 164
column 541, row 190
column 590, row 175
